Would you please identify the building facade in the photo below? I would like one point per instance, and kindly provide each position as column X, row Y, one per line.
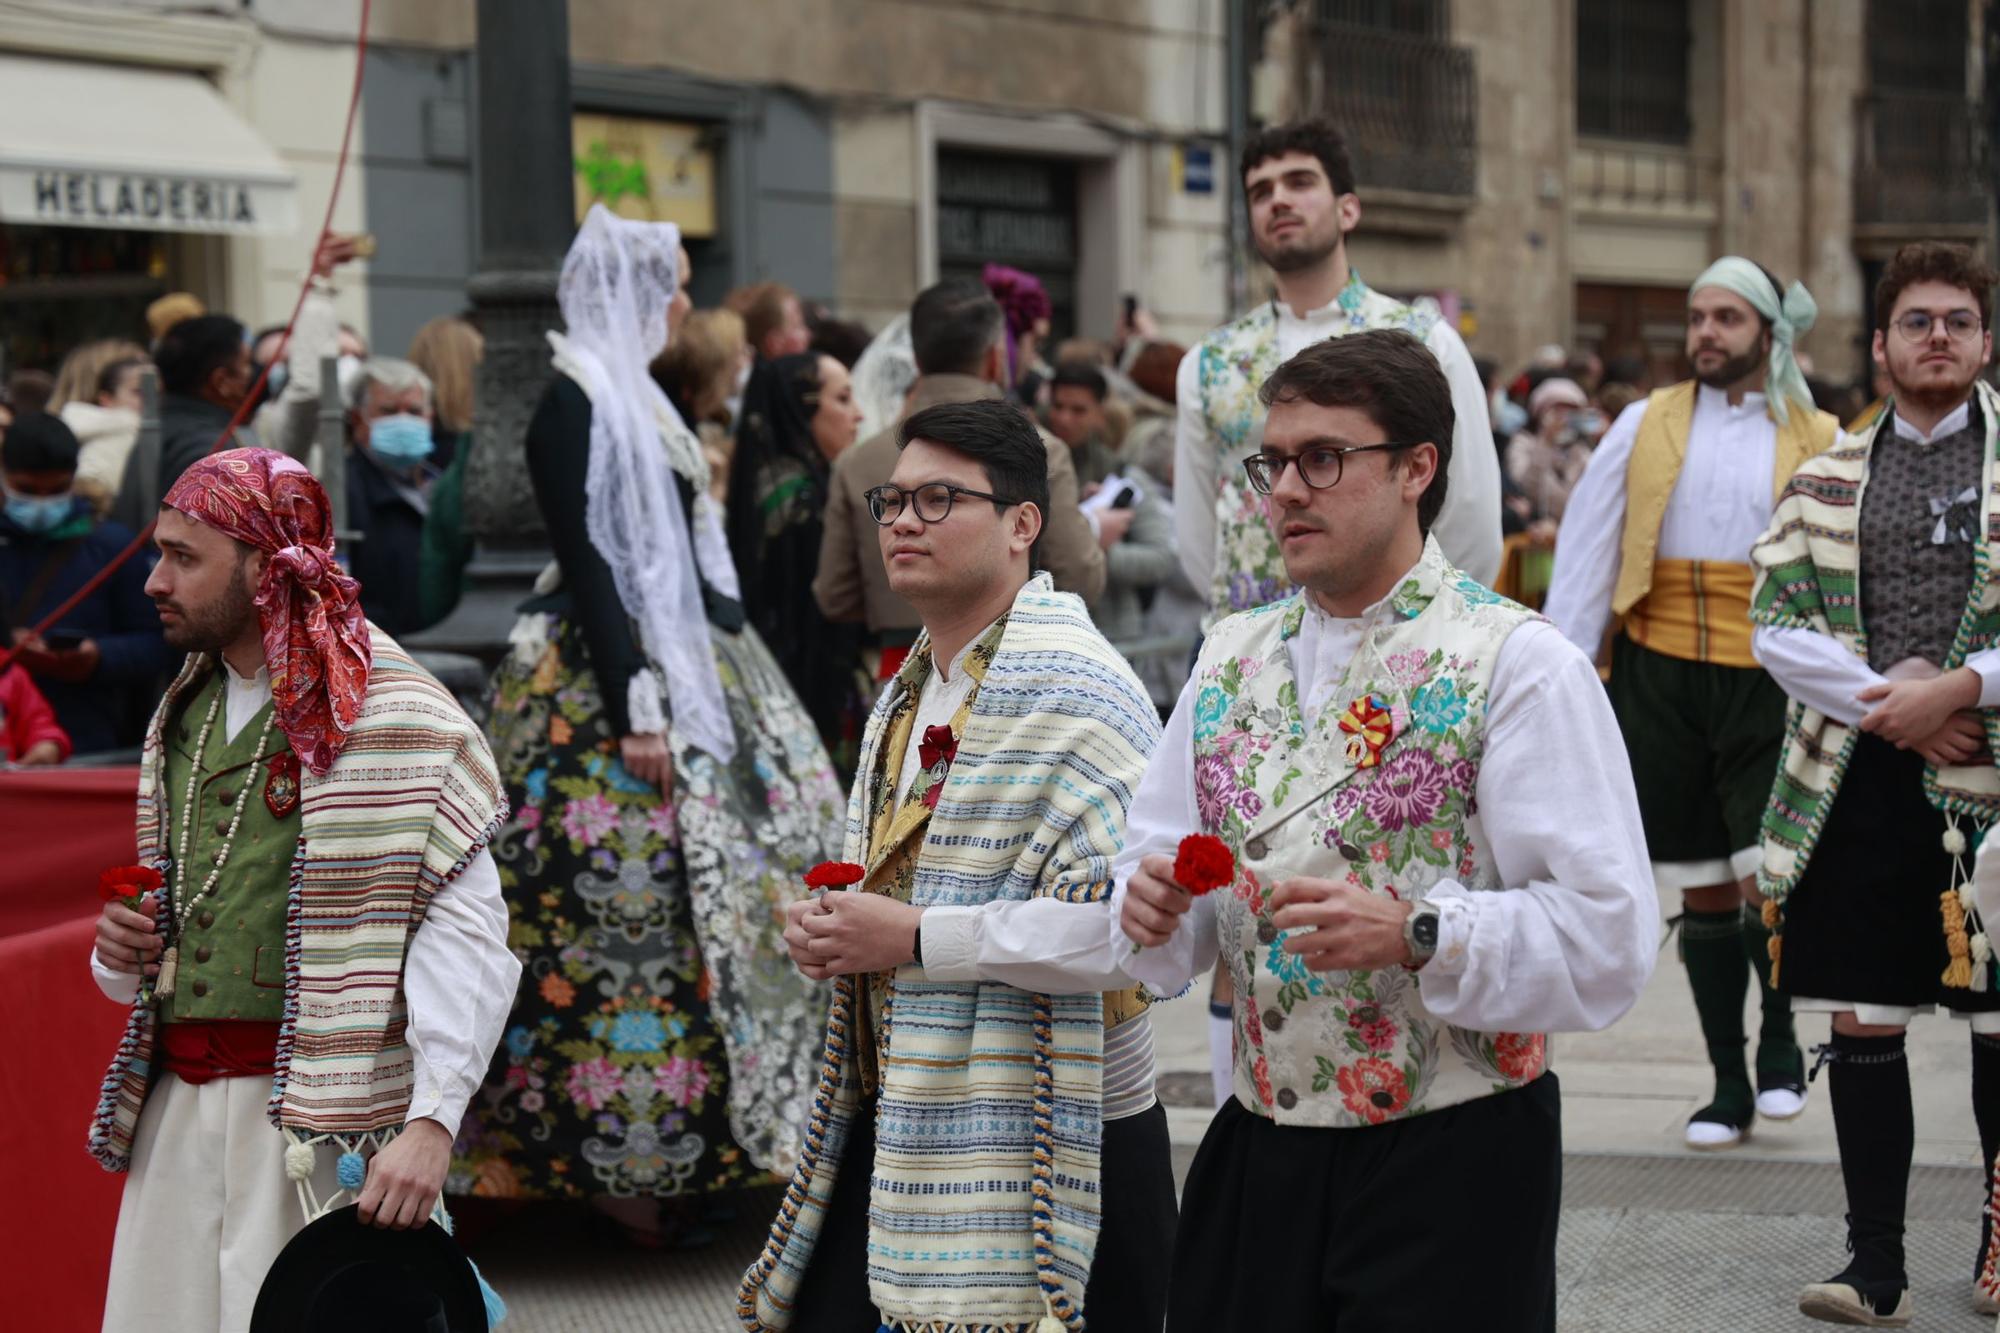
column 1548, row 170
column 856, row 150
column 1559, row 170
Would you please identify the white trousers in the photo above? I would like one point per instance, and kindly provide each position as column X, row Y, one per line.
column 206, row 1209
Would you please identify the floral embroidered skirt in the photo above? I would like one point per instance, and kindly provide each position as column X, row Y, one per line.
column 662, row 1042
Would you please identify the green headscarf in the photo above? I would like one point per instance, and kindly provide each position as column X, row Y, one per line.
column 1790, row 316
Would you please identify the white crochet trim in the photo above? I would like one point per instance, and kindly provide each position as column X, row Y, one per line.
column 642, row 704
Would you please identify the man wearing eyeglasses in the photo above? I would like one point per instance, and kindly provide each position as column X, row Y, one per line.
column 1877, row 612
column 985, row 1147
column 1438, row 860
column 1655, row 548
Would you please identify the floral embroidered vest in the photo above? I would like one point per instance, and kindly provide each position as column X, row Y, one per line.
column 1378, row 792
column 1235, row 361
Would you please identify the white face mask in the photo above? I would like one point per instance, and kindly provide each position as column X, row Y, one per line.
column 347, row 373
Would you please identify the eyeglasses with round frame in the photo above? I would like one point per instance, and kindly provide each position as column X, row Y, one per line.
column 1916, row 325
column 1320, row 466
column 932, row 501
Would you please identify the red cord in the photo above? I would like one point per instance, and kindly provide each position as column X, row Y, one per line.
column 145, row 538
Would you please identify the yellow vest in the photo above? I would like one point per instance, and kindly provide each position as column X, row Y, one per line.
column 1655, row 468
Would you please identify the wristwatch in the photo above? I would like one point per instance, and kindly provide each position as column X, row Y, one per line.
column 1420, row 932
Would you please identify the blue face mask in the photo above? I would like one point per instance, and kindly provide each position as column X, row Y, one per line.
column 1509, row 417
column 402, row 440
column 39, row 513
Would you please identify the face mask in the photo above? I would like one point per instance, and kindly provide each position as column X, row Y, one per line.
column 402, row 440
column 38, row 513
column 274, row 383
column 1509, row 417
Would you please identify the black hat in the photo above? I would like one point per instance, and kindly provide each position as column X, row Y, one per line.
column 341, row 1274
column 39, row 442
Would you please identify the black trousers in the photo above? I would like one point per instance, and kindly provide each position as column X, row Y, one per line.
column 1442, row 1221
column 1127, row 1290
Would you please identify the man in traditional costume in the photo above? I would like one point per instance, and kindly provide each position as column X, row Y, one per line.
column 1877, row 613
column 1411, row 912
column 316, row 989
column 1655, row 545
column 985, row 1150
column 1299, row 184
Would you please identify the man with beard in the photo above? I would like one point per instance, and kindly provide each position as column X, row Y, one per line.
column 1299, row 185
column 1888, row 756
column 1655, row 545
column 317, row 986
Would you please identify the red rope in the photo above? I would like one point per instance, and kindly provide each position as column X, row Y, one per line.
column 145, row 538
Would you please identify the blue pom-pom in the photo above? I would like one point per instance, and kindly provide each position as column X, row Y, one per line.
column 351, row 1171
column 496, row 1309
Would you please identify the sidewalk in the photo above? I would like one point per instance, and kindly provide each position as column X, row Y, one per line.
column 1654, row 1237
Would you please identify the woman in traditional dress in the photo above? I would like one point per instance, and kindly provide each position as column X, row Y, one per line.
column 662, row 1045
column 798, row 416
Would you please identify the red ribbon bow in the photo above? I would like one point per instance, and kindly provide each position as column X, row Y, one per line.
column 936, row 751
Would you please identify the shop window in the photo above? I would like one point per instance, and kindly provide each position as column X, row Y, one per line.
column 1003, row 208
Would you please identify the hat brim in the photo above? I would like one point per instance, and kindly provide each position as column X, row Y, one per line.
column 338, row 1242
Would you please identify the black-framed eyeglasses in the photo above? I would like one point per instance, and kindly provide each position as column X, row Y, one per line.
column 1320, row 466
column 1916, row 325
column 932, row 500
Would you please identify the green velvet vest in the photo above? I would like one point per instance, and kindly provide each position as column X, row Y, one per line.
column 232, row 946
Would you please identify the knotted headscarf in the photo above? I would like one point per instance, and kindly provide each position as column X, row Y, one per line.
column 1790, row 315
column 315, row 635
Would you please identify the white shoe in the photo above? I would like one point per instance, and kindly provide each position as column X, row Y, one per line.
column 1712, row 1135
column 1982, row 1302
column 1838, row 1303
column 1781, row 1103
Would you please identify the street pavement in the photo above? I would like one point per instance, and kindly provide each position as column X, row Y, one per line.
column 1653, row 1238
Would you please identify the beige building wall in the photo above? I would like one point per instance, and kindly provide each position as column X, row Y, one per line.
column 1768, row 172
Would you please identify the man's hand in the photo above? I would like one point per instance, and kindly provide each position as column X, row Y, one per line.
column 799, row 944
column 71, row 666
column 1909, row 712
column 41, row 755
column 1154, row 903
column 648, row 759
column 332, row 253
column 404, row 1178
column 1961, row 740
column 1346, row 929
column 854, row 931
column 129, row 941
column 1112, row 525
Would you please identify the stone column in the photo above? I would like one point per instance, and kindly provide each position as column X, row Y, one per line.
column 526, row 220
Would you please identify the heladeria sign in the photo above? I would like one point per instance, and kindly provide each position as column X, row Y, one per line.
column 143, row 201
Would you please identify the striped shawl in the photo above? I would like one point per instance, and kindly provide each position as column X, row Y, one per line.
column 411, row 800
column 1809, row 577
column 983, row 1209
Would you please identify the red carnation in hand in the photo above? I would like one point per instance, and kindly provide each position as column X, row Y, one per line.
column 1203, row 863
column 835, row 875
column 128, row 884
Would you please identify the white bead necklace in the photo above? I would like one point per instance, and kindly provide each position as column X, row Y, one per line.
column 163, row 986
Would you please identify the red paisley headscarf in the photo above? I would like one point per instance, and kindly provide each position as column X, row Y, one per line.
column 315, row 636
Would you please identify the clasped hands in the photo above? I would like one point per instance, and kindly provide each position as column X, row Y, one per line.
column 1939, row 718
column 1338, row 928
column 847, row 930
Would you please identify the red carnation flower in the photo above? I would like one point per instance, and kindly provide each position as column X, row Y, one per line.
column 835, row 875
column 128, row 884
column 1202, row 863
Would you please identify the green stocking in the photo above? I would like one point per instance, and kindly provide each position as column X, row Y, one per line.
column 1719, row 974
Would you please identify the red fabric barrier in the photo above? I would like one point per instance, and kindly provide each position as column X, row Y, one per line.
column 63, row 827
column 57, row 1232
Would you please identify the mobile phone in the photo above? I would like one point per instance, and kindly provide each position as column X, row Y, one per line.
column 1124, row 499
column 1131, row 308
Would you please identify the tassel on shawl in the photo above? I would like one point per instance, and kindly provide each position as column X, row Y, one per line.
column 1775, row 943
column 1957, row 973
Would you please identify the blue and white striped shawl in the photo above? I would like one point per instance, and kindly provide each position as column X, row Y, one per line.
column 983, row 1208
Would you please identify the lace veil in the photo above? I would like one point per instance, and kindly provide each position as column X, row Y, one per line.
column 616, row 284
